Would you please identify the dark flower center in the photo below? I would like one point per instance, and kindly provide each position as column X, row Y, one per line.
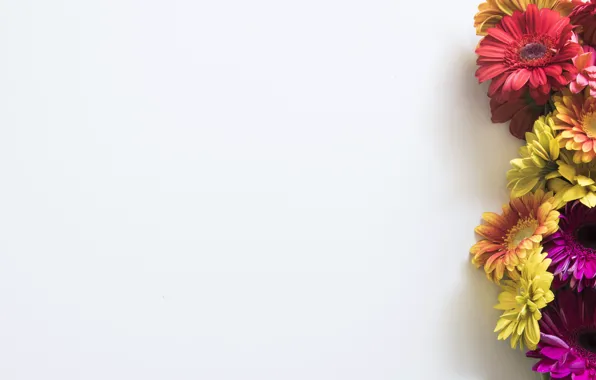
column 532, row 51
column 586, row 236
column 587, row 340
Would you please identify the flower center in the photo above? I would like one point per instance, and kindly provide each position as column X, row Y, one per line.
column 532, row 51
column 522, row 230
column 586, row 235
column 589, row 124
column 587, row 340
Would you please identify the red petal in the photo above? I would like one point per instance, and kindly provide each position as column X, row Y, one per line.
column 568, row 52
column 553, row 70
column 496, row 84
column 560, row 80
column 568, row 67
column 491, row 51
column 533, row 19
column 516, row 80
column 540, row 76
column 534, row 78
column 485, row 73
column 523, row 121
column 520, row 78
column 557, row 27
column 502, row 112
column 513, row 28
column 541, row 93
column 500, row 35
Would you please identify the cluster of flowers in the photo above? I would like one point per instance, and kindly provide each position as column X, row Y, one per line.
column 540, row 59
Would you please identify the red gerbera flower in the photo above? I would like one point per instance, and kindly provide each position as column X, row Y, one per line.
column 584, row 16
column 529, row 50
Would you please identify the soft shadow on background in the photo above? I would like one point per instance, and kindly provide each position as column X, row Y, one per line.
column 477, row 153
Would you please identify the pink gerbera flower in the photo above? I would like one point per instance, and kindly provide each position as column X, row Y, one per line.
column 585, row 64
column 529, row 50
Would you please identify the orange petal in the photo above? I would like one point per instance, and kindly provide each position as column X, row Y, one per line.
column 490, row 232
column 496, row 220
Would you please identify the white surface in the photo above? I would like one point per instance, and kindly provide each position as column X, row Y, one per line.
column 246, row 190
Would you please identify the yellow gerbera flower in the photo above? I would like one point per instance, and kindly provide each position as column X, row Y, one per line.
column 538, row 162
column 522, row 226
column 575, row 117
column 575, row 181
column 492, row 11
column 522, row 299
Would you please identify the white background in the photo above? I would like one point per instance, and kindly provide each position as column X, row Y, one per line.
column 231, row 189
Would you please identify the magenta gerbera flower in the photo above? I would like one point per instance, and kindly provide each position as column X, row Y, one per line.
column 567, row 347
column 572, row 248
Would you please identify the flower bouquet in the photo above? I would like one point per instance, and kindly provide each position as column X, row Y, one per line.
column 539, row 58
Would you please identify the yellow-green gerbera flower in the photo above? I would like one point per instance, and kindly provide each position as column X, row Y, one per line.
column 521, row 300
column 575, row 181
column 538, row 162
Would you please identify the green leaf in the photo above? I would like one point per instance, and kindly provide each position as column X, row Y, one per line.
column 545, row 376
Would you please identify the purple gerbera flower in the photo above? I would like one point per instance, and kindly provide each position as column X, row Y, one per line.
column 567, row 348
column 573, row 247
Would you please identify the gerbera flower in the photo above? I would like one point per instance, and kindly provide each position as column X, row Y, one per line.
column 530, row 50
column 522, row 112
column 522, row 299
column 567, row 348
column 575, row 181
column 573, row 247
column 585, row 64
column 538, row 162
column 492, row 11
column 583, row 15
column 507, row 237
column 575, row 117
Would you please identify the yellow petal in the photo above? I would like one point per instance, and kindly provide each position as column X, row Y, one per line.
column 584, row 181
column 573, row 193
column 567, row 171
column 532, row 333
column 589, row 200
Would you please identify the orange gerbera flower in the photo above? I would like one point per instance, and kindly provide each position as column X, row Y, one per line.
column 508, row 237
column 492, row 11
column 575, row 116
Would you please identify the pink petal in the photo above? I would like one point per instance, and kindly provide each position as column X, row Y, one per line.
column 575, row 88
column 581, row 80
column 580, row 138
